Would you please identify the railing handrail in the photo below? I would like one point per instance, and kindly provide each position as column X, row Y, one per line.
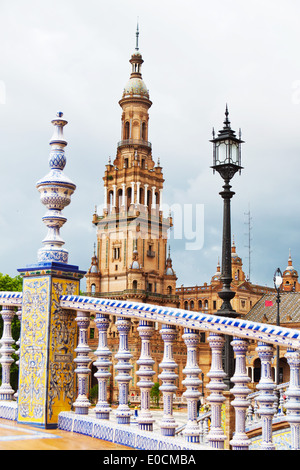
column 273, row 334
column 12, row 298
column 145, row 143
column 201, row 417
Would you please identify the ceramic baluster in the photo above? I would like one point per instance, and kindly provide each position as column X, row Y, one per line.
column 103, row 364
column 123, row 367
column 240, row 391
column 168, row 378
column 293, row 397
column 216, row 436
column 192, row 383
column 266, row 397
column 82, row 361
column 145, row 373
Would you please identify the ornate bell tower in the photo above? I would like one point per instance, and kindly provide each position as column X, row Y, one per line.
column 131, row 255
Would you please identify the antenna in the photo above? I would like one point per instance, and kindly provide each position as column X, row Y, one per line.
column 248, row 222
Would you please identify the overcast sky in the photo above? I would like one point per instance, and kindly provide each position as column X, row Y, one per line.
column 72, row 56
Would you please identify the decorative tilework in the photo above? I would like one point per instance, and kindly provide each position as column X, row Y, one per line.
column 123, row 434
column 33, row 350
column 281, row 440
column 48, row 340
column 62, row 342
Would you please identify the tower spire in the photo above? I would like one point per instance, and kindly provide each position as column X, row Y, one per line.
column 137, row 36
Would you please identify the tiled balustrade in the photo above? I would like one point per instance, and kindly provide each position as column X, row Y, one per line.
column 142, row 435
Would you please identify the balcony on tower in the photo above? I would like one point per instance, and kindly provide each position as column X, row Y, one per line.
column 134, row 142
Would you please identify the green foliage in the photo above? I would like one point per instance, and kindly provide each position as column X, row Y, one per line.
column 8, row 283
column 93, row 395
column 155, row 393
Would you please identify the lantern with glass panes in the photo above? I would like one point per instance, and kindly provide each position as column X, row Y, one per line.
column 227, row 151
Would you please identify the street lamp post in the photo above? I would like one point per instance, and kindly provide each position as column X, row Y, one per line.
column 277, row 284
column 227, row 162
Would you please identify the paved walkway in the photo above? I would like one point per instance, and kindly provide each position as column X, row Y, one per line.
column 15, row 436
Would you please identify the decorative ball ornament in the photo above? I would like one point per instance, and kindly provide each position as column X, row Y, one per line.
column 56, row 190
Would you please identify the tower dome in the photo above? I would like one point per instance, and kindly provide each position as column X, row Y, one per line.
column 290, row 276
column 136, row 87
column 169, row 268
column 217, row 276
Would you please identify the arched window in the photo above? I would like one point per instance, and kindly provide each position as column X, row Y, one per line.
column 119, row 199
column 126, row 130
column 192, row 305
column 110, row 199
column 144, row 131
column 134, row 284
column 128, row 197
column 169, row 290
column 93, row 288
column 199, row 304
column 186, row 305
column 149, row 198
column 141, row 196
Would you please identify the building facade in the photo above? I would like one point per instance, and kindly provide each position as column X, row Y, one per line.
column 205, row 298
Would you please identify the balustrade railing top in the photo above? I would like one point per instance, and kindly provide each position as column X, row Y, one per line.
column 14, row 299
column 273, row 334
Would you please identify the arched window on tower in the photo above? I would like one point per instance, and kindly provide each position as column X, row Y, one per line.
column 157, row 201
column 126, row 130
column 134, row 284
column 120, row 197
column 135, row 131
column 110, row 200
column 141, row 196
column 144, row 131
column 149, row 199
column 128, row 197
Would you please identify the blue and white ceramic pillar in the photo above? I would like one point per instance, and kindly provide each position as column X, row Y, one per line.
column 82, row 361
column 48, row 333
column 103, row 364
column 240, row 391
column 17, row 352
column 192, row 383
column 266, row 395
column 216, row 436
column 168, row 378
column 293, row 397
column 145, row 373
column 123, row 367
